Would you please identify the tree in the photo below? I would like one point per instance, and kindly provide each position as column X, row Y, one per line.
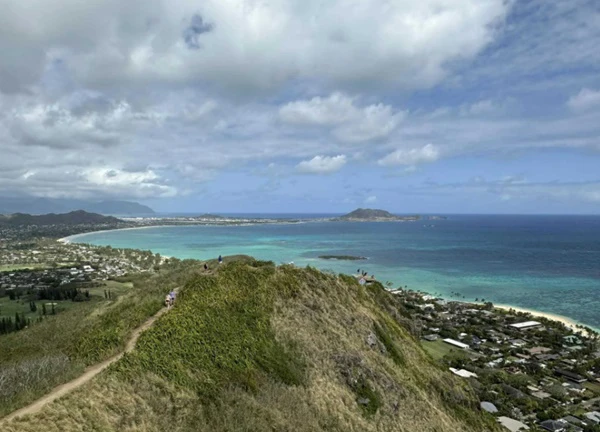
column 44, row 308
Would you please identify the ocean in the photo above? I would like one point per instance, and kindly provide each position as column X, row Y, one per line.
column 546, row 263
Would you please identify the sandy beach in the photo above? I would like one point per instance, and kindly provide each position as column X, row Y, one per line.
column 71, row 239
column 554, row 317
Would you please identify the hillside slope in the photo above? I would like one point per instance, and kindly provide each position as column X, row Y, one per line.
column 257, row 347
column 77, row 217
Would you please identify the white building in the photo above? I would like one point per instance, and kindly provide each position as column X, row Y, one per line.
column 456, row 343
column 463, row 373
column 526, row 325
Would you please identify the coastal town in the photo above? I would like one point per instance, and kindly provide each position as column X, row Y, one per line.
column 532, row 373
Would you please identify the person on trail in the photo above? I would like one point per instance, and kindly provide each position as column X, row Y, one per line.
column 168, row 301
column 205, row 266
column 172, row 294
column 220, row 259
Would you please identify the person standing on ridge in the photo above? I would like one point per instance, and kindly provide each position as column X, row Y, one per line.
column 220, row 259
column 172, row 294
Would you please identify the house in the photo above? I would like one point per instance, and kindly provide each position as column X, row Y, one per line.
column 456, row 343
column 574, row 387
column 431, row 337
column 574, row 421
column 512, row 424
column 489, row 407
column 526, row 325
column 541, row 395
column 594, row 416
column 554, row 425
column 517, row 343
column 572, row 339
column 571, row 376
column 463, row 373
column 538, row 350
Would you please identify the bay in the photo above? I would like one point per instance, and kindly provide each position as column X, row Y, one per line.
column 546, row 263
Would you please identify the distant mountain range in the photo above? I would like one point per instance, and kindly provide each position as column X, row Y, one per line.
column 375, row 215
column 78, row 217
column 53, row 205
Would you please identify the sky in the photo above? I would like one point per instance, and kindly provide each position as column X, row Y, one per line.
column 471, row 106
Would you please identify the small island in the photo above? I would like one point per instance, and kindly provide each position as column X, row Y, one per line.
column 343, row 257
column 374, row 215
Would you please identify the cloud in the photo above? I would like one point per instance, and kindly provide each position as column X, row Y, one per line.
column 585, row 100
column 95, row 183
column 347, row 121
column 333, row 110
column 322, row 164
column 405, row 43
column 520, row 189
column 371, row 199
column 414, row 156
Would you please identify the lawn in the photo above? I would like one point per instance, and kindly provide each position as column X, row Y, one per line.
column 15, row 267
column 438, row 348
column 593, row 387
column 8, row 307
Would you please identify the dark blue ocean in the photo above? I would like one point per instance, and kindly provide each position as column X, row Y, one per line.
column 546, row 263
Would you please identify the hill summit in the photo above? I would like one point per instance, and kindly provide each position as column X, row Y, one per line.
column 256, row 347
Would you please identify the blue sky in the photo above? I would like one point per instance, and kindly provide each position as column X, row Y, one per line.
column 478, row 106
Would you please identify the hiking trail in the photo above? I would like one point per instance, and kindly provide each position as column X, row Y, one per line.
column 87, row 375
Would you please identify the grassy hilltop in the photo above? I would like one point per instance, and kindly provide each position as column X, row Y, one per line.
column 255, row 347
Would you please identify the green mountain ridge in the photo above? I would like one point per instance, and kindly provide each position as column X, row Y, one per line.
column 38, row 206
column 77, row 217
column 256, row 347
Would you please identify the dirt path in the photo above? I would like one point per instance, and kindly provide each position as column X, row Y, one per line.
column 87, row 376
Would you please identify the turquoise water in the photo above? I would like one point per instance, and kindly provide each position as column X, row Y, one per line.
column 546, row 263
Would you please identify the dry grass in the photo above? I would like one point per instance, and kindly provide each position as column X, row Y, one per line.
column 324, row 319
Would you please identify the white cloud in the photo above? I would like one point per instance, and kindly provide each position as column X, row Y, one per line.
column 478, row 108
column 333, row 110
column 513, row 188
column 349, row 122
column 414, row 156
column 322, row 164
column 586, row 99
column 371, row 199
column 95, row 183
column 406, row 43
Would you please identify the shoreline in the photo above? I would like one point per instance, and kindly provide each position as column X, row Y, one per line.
column 71, row 238
column 568, row 322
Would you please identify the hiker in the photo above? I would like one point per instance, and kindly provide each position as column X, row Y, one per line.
column 205, row 266
column 220, row 259
column 168, row 301
column 172, row 294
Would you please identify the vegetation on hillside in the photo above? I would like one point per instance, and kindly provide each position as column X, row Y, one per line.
column 51, row 352
column 256, row 347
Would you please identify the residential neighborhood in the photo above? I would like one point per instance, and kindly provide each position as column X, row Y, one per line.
column 531, row 373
